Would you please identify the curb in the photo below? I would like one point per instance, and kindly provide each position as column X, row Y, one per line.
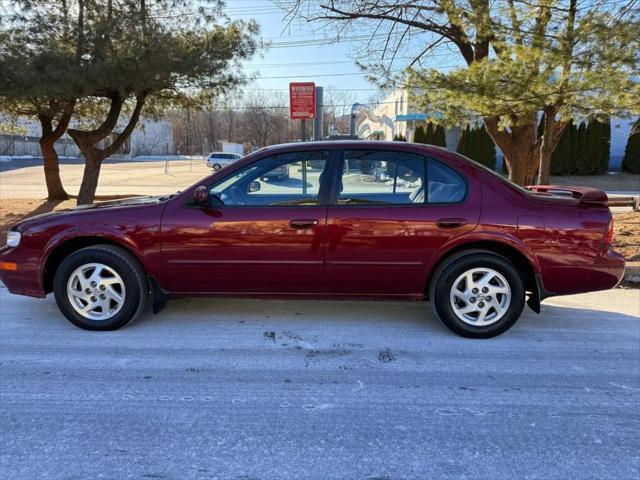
column 632, row 273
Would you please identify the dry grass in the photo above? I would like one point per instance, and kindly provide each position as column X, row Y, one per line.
column 626, row 237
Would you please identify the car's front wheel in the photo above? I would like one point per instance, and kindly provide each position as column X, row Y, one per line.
column 101, row 287
column 478, row 294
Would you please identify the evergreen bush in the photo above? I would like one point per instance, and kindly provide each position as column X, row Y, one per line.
column 631, row 159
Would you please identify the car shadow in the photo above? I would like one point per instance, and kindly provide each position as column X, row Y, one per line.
column 237, row 317
column 417, row 317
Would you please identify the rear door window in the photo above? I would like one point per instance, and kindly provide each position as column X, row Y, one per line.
column 379, row 177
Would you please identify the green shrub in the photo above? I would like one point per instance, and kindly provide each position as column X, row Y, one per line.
column 631, row 159
column 476, row 144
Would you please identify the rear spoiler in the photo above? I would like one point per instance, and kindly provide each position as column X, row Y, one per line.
column 586, row 195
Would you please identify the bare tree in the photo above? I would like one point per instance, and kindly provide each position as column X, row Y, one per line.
column 337, row 109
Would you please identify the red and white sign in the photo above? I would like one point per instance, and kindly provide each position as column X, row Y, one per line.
column 302, row 100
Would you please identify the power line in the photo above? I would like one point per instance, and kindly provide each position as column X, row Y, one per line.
column 309, row 64
column 372, row 89
column 324, row 41
column 310, row 75
column 336, row 62
column 341, row 74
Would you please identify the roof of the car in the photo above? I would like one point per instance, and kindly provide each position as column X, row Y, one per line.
column 373, row 144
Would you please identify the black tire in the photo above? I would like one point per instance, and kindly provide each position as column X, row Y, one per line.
column 457, row 265
column 120, row 261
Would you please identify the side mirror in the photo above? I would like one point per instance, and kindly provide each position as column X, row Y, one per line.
column 253, row 187
column 201, row 195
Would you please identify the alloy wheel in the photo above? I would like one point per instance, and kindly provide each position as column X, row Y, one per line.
column 480, row 297
column 96, row 291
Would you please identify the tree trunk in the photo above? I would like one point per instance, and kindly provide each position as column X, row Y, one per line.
column 92, row 162
column 551, row 136
column 518, row 147
column 93, row 158
column 48, row 137
column 90, row 176
column 522, row 165
column 545, row 161
column 55, row 190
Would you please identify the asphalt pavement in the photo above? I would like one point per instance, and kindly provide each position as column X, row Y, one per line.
column 251, row 389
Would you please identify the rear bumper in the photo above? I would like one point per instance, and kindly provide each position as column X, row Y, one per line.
column 25, row 279
column 607, row 271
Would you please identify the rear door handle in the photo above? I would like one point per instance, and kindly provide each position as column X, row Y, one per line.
column 451, row 222
column 302, row 223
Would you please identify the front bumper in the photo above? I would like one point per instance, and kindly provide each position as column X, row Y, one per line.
column 25, row 279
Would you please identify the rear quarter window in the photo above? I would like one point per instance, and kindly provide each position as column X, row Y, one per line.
column 444, row 184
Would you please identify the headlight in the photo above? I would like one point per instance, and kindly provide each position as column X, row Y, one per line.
column 13, row 238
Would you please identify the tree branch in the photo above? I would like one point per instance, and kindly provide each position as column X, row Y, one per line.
column 128, row 130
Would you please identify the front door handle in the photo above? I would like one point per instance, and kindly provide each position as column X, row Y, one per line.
column 302, row 223
column 451, row 222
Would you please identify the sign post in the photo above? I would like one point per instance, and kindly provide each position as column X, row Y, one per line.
column 302, row 103
column 317, row 122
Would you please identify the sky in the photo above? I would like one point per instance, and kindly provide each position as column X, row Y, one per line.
column 327, row 65
column 298, row 54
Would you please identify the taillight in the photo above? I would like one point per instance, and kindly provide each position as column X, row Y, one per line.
column 608, row 236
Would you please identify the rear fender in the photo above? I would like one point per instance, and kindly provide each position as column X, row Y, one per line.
column 482, row 236
column 493, row 240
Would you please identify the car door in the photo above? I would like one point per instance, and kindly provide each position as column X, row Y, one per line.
column 261, row 232
column 390, row 212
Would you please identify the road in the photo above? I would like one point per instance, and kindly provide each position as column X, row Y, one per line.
column 250, row 389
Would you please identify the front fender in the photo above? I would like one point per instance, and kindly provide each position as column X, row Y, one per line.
column 103, row 234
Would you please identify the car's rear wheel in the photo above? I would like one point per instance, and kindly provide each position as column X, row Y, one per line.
column 217, row 166
column 101, row 287
column 478, row 294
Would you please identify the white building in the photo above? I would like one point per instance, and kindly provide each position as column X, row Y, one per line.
column 150, row 137
column 397, row 115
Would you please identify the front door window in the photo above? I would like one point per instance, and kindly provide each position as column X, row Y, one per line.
column 279, row 180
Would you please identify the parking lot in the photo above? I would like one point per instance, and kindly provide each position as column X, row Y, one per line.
column 252, row 389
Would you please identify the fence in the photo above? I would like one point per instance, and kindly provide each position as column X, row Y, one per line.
column 622, row 201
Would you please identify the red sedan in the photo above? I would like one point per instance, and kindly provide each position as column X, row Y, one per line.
column 369, row 220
